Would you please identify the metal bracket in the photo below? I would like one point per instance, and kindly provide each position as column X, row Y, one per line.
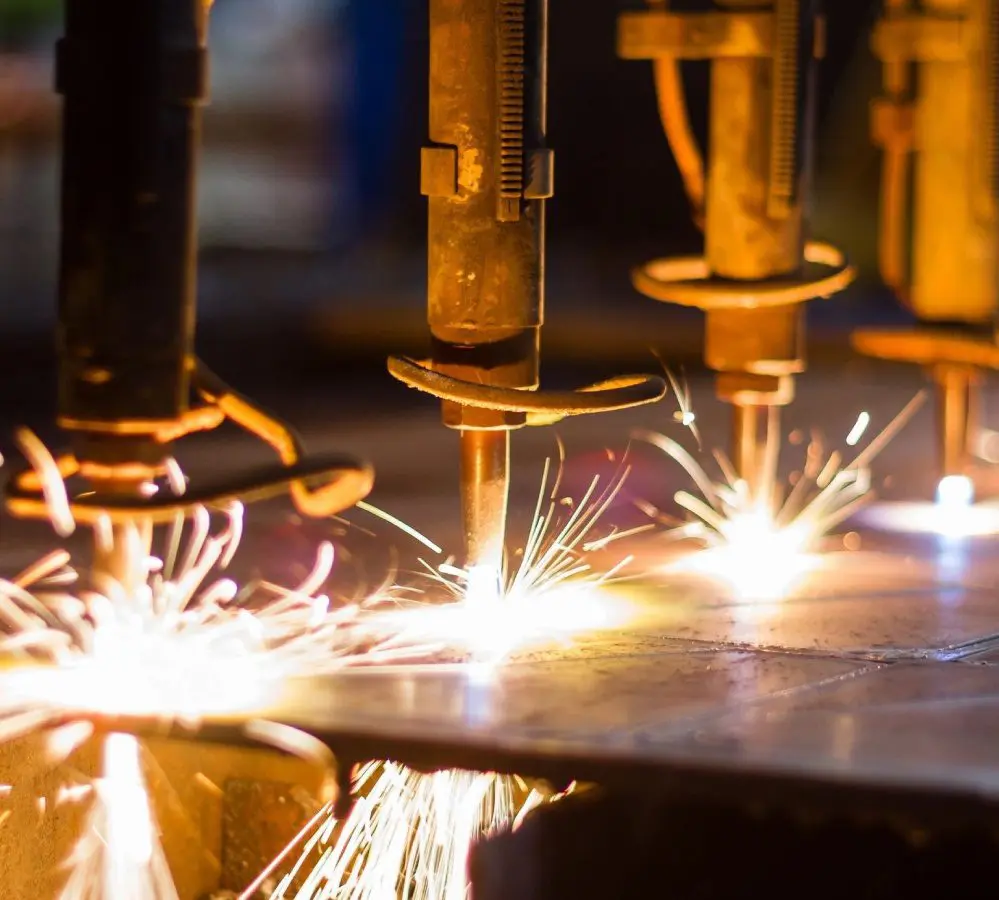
column 318, row 486
column 540, row 175
column 439, row 171
column 652, row 35
column 893, row 124
column 710, row 35
column 916, row 37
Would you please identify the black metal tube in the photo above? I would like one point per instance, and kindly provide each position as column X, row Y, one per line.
column 133, row 76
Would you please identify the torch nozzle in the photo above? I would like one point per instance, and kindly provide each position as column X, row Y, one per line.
column 750, row 423
column 957, row 399
column 121, row 548
column 485, row 487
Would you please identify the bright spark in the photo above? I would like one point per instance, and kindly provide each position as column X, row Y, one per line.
column 176, row 640
column 684, row 415
column 858, row 430
column 762, row 542
column 553, row 595
column 120, row 855
column 408, row 834
column 955, row 514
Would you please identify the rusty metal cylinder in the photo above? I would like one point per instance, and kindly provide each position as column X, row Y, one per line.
column 955, row 234
column 759, row 132
column 485, row 487
column 749, row 438
column 487, row 174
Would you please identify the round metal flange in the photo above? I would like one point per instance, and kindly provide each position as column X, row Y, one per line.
column 688, row 281
column 928, row 347
column 541, row 407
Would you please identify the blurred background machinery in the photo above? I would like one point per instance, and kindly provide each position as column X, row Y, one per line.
column 751, row 198
column 309, row 204
column 936, row 125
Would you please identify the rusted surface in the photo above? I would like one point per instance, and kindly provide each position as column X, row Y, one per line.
column 260, row 818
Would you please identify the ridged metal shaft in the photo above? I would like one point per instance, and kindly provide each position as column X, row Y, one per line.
column 486, row 176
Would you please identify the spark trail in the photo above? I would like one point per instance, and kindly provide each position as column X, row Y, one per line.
column 182, row 643
column 409, row 833
column 759, row 541
column 553, row 594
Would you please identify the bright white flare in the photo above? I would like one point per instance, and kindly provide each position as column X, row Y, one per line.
column 761, row 542
column 553, row 595
column 955, row 493
column 176, row 641
column 408, row 835
column 119, row 856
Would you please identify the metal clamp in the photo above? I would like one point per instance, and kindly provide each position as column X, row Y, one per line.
column 918, row 37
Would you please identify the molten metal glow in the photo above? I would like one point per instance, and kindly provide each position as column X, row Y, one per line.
column 761, row 543
column 954, row 514
column 408, row 835
column 955, row 493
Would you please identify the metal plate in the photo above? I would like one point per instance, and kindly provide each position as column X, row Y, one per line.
column 881, row 693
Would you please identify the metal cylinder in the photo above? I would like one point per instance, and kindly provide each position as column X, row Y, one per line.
column 957, row 414
column 756, row 116
column 486, row 205
column 749, row 436
column 485, row 486
column 955, row 249
column 133, row 76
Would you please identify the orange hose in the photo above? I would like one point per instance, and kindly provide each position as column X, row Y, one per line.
column 892, row 236
column 679, row 134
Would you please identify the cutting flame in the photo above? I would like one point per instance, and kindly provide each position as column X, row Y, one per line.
column 760, row 543
column 553, row 595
